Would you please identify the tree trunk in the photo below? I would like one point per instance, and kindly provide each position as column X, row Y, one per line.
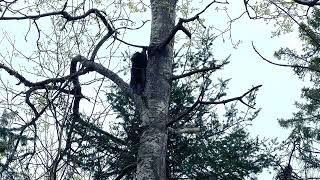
column 151, row 162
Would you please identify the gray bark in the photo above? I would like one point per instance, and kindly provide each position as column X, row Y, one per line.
column 151, row 164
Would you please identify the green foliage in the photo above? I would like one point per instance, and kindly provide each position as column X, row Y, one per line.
column 210, row 153
column 234, row 156
column 8, row 136
column 98, row 150
column 304, row 137
column 222, row 149
column 138, row 6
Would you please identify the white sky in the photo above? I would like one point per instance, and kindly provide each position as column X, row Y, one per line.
column 281, row 88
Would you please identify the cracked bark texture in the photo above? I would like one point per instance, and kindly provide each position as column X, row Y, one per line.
column 151, row 164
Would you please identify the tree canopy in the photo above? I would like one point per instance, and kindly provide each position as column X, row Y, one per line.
column 69, row 112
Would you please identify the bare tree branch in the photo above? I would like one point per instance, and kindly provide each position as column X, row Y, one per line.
column 64, row 14
column 95, row 128
column 213, row 67
column 189, row 110
column 239, row 98
column 308, row 3
column 28, row 83
column 188, row 130
column 124, row 171
column 129, row 44
column 23, row 128
column 283, row 65
column 180, row 26
column 198, row 14
column 100, row 43
column 199, row 101
column 93, row 66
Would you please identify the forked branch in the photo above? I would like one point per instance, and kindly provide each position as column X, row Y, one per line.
column 199, row 102
column 180, row 26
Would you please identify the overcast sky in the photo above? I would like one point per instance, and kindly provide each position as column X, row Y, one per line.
column 281, row 88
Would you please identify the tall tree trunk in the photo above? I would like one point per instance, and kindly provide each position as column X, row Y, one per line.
column 153, row 143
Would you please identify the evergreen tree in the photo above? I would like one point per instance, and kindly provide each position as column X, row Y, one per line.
column 201, row 145
column 302, row 146
column 73, row 115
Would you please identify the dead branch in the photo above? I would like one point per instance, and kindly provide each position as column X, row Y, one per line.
column 206, row 69
column 308, row 3
column 283, row 65
column 188, row 130
column 180, row 26
column 239, row 98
